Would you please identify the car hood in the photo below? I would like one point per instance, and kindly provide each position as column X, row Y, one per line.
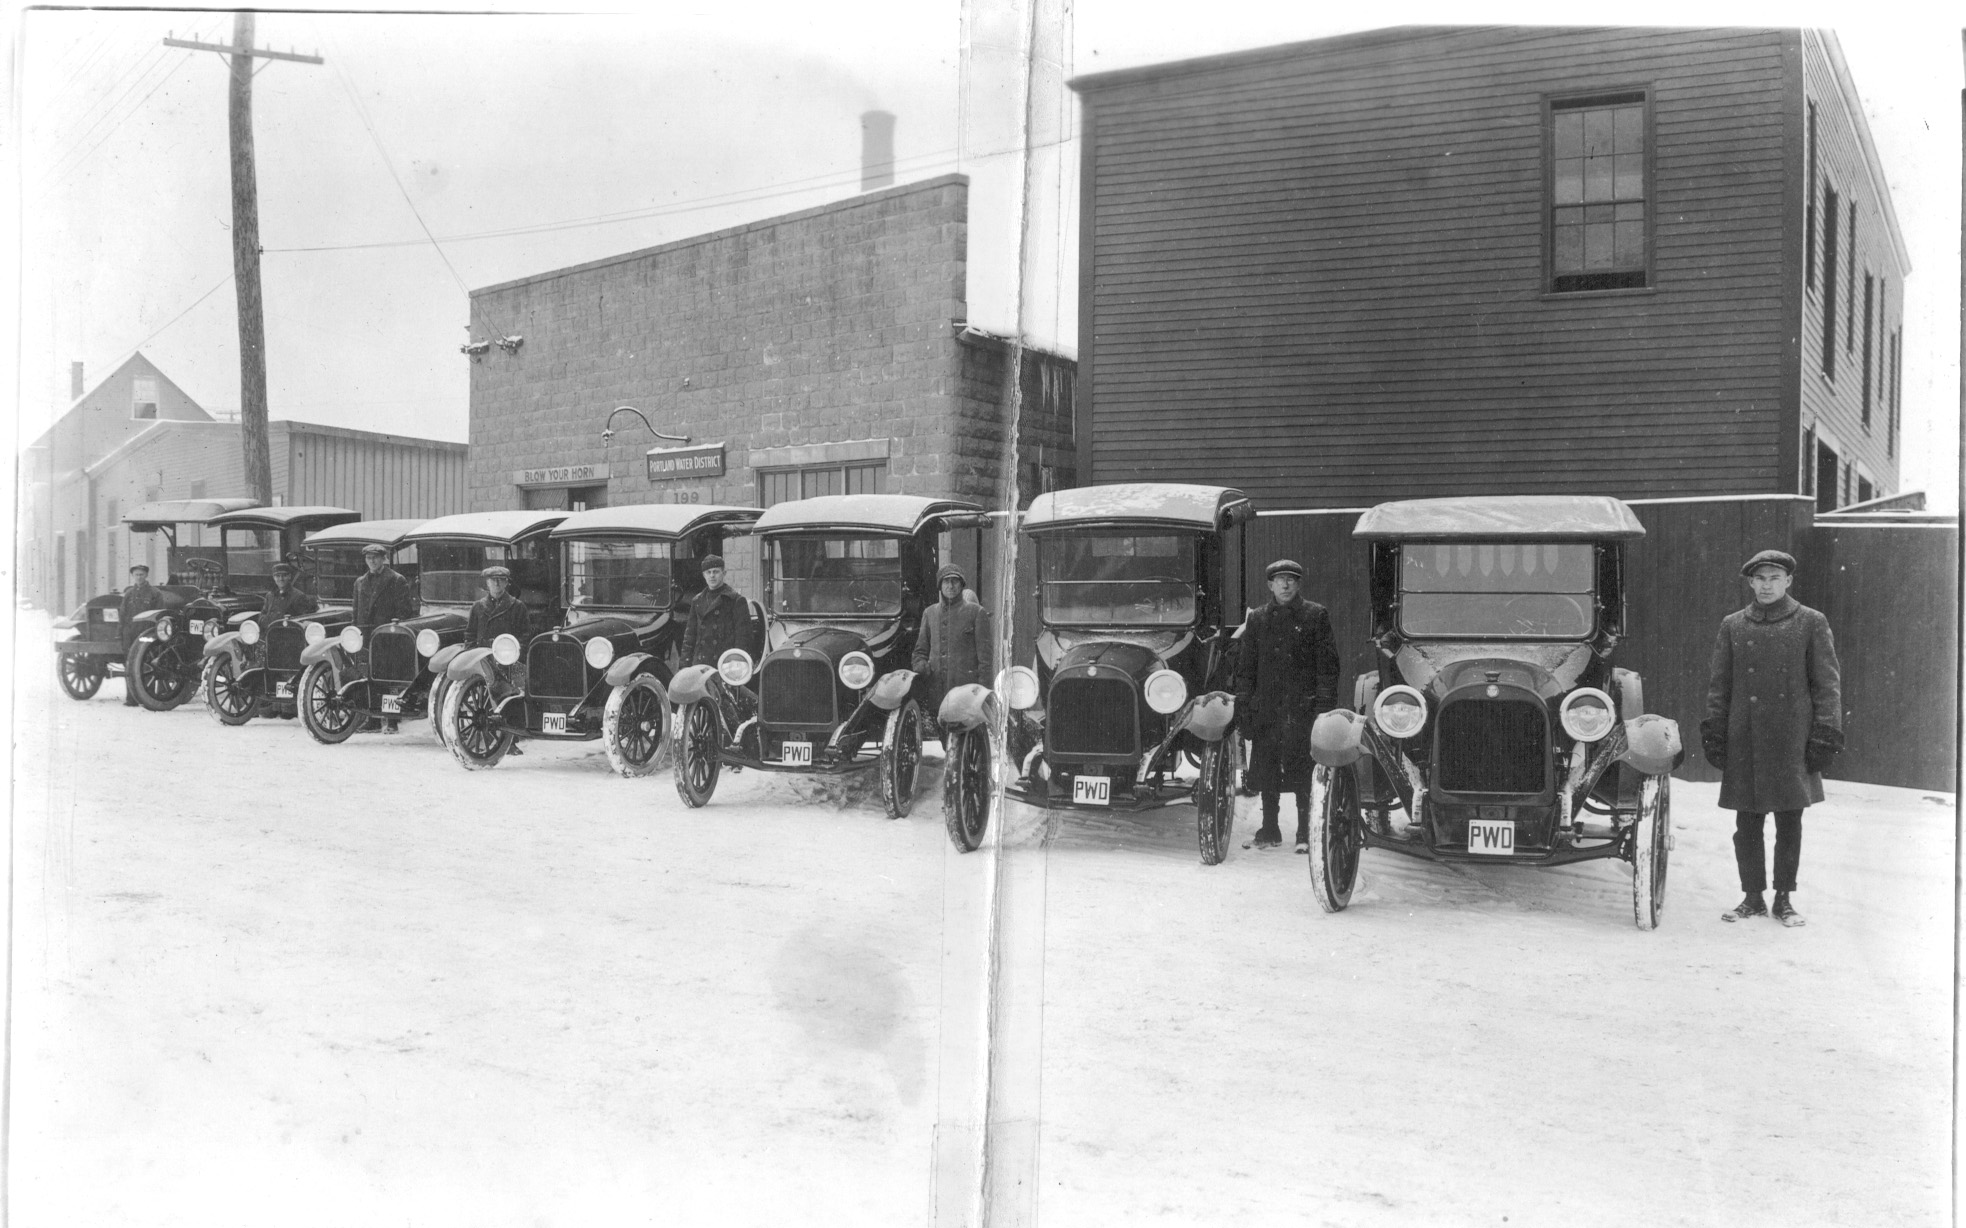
column 1134, row 660
column 1437, row 668
column 830, row 642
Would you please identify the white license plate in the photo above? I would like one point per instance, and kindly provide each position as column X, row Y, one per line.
column 283, row 689
column 1092, row 790
column 110, row 616
column 797, row 754
column 392, row 703
column 197, row 627
column 1491, row 837
column 552, row 722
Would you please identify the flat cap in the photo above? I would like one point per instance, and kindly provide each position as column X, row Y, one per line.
column 375, row 548
column 285, row 569
column 142, row 567
column 1283, row 567
column 710, row 560
column 1767, row 557
column 496, row 572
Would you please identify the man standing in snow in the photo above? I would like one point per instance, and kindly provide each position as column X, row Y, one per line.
column 1286, row 673
column 719, row 619
column 953, row 646
column 1774, row 721
column 140, row 597
column 382, row 594
column 285, row 601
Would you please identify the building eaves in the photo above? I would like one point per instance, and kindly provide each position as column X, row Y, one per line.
column 1307, row 49
column 1853, row 102
column 150, row 434
column 297, row 427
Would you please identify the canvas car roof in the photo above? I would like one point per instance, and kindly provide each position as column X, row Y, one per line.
column 1488, row 517
column 1170, row 503
column 884, row 513
column 364, row 532
column 184, row 511
column 500, row 527
column 281, row 517
column 665, row 520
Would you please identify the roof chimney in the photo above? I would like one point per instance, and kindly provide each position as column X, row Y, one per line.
column 876, row 150
column 75, row 388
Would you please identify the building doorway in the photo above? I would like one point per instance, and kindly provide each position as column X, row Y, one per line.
column 1829, row 488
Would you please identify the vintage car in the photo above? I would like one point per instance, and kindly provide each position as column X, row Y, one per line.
column 1139, row 599
column 91, row 644
column 360, row 678
column 846, row 578
column 627, row 575
column 168, row 657
column 253, row 669
column 1497, row 730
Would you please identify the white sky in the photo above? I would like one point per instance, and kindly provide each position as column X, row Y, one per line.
column 600, row 134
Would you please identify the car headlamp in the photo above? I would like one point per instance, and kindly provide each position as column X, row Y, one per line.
column 351, row 639
column 428, row 642
column 599, row 652
column 249, row 631
column 735, row 666
column 1019, row 687
column 856, row 670
column 1165, row 691
column 1588, row 714
column 165, row 627
column 505, row 649
column 314, row 633
column 1399, row 712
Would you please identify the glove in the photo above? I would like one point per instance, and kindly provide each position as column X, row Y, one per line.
column 1822, row 746
column 1713, row 741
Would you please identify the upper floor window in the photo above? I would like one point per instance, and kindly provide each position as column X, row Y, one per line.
column 1598, row 224
column 143, row 398
column 853, row 478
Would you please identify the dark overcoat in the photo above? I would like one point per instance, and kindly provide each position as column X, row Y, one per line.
column 1286, row 673
column 952, row 649
column 291, row 604
column 719, row 620
column 383, row 597
column 1774, row 677
column 136, row 599
column 492, row 617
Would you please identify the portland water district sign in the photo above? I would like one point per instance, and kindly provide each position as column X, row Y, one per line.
column 673, row 464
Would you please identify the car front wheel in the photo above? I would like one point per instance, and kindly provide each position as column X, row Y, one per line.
column 633, row 723
column 159, row 677
column 966, row 787
column 79, row 676
column 227, row 701
column 901, row 758
column 1337, row 832
column 699, row 757
column 477, row 738
column 1651, row 845
column 323, row 713
column 1215, row 797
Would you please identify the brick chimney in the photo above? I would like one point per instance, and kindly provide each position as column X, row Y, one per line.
column 876, row 150
column 75, row 388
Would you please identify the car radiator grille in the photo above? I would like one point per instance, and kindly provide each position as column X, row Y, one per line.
column 392, row 657
column 1093, row 716
column 283, row 644
column 556, row 670
column 797, row 692
column 1491, row 746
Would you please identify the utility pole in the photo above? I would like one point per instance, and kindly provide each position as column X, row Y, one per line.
column 245, row 246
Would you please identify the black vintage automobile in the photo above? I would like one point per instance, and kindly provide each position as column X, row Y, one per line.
column 846, row 578
column 360, row 679
column 168, row 657
column 1496, row 730
column 1140, row 596
column 92, row 643
column 254, row 667
column 627, row 575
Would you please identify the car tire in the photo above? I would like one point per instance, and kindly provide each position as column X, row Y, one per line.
column 477, row 739
column 1337, row 835
column 1215, row 798
column 438, row 690
column 966, row 787
column 633, row 725
column 326, row 718
column 699, row 753
column 159, row 680
column 901, row 759
column 80, row 678
column 227, row 701
column 1651, row 847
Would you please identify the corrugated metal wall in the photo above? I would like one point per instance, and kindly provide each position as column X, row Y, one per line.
column 380, row 476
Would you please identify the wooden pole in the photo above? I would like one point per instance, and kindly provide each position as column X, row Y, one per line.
column 245, row 268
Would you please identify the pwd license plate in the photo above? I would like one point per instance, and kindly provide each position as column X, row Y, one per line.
column 1092, row 790
column 797, row 754
column 197, row 626
column 392, row 703
column 552, row 722
column 284, row 688
column 1491, row 837
column 110, row 616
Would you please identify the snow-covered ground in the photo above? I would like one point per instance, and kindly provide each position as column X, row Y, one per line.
column 261, row 981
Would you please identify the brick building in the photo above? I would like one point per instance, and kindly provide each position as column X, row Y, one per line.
column 820, row 352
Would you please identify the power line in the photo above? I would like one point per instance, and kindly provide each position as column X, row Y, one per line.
column 90, row 152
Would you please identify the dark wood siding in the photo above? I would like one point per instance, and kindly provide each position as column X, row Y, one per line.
column 1330, row 259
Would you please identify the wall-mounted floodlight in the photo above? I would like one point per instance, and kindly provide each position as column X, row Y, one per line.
column 607, row 428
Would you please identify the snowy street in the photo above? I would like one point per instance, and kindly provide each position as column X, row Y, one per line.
column 262, row 981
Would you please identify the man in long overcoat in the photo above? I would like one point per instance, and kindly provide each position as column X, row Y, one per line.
column 137, row 598
column 719, row 619
column 382, row 594
column 1286, row 673
column 1774, row 721
column 285, row 600
column 496, row 613
column 953, row 646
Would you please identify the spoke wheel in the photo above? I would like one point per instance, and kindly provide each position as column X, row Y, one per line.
column 1651, row 845
column 227, row 701
column 160, row 679
column 79, row 676
column 327, row 719
column 901, row 759
column 1337, row 833
column 966, row 787
column 1215, row 798
column 698, row 754
column 633, row 723
column 478, row 739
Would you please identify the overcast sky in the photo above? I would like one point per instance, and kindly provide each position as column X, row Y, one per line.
column 526, row 143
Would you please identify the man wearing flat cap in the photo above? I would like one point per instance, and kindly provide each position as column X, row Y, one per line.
column 496, row 613
column 1286, row 673
column 138, row 598
column 382, row 594
column 1774, row 722
column 285, row 600
column 719, row 619
column 953, row 646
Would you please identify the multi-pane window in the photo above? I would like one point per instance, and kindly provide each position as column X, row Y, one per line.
column 858, row 478
column 143, row 397
column 1597, row 193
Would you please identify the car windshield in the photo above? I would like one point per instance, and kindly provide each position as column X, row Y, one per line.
column 857, row 576
column 631, row 575
column 249, row 558
column 1513, row 590
column 333, row 569
column 1118, row 579
column 450, row 570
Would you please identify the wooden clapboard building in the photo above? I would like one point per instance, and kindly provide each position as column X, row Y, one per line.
column 1427, row 261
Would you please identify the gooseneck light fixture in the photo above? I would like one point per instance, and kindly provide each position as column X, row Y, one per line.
column 607, row 428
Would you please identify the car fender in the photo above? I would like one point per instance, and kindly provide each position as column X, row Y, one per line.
column 691, row 684
column 469, row 662
column 445, row 655
column 967, row 706
column 1652, row 744
column 227, row 644
column 891, row 689
column 1338, row 738
column 627, row 667
column 322, row 650
column 1209, row 716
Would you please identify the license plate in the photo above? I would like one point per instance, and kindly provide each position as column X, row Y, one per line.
column 1491, row 837
column 1092, row 790
column 392, row 703
column 197, row 627
column 110, row 616
column 283, row 689
column 552, row 722
column 798, row 754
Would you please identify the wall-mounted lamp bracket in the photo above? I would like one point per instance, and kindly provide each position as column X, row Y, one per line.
column 607, row 428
